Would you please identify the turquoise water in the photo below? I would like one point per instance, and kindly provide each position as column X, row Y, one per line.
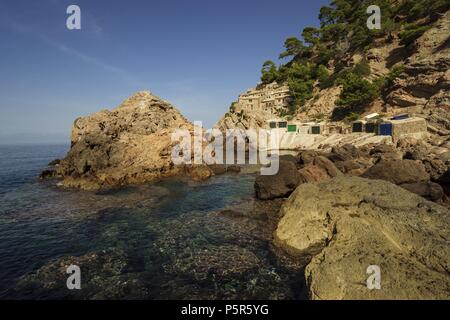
column 167, row 240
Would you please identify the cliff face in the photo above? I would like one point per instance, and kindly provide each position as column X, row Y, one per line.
column 425, row 81
column 129, row 144
column 421, row 87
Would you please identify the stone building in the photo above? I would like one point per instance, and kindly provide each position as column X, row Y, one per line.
column 267, row 97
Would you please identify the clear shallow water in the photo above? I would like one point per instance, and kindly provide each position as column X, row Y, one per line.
column 166, row 240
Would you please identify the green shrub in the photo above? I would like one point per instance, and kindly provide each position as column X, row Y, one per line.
column 322, row 74
column 357, row 92
column 269, row 72
column 395, row 72
column 353, row 116
column 411, row 33
column 362, row 69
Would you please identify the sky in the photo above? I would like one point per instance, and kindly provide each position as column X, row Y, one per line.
column 197, row 54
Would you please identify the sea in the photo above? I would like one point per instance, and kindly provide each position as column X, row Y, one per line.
column 172, row 239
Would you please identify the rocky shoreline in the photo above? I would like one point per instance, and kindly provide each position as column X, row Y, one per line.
column 329, row 213
column 347, row 209
column 328, row 216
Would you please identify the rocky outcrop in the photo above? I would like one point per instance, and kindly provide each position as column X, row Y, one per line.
column 344, row 225
column 306, row 167
column 345, row 152
column 129, row 144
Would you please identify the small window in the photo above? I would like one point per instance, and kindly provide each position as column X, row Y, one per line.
column 282, row 124
column 272, row 125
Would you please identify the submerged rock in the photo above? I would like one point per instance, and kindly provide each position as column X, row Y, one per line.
column 47, row 174
column 215, row 261
column 102, row 277
column 346, row 224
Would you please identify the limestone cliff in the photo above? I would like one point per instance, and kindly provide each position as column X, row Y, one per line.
column 426, row 77
column 129, row 144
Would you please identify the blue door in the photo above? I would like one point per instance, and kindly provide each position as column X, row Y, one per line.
column 385, row 129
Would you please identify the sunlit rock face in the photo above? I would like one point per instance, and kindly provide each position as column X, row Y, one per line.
column 347, row 224
column 129, row 144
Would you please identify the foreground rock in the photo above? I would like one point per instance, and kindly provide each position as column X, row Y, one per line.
column 130, row 144
column 348, row 223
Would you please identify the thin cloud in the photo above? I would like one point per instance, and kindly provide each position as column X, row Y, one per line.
column 26, row 29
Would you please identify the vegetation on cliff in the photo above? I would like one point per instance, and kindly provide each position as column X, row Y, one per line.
column 319, row 56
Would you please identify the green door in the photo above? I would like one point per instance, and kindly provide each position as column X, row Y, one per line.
column 292, row 128
column 315, row 130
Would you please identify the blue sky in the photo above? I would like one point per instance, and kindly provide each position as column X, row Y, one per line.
column 197, row 54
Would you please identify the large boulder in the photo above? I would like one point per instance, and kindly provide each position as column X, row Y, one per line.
column 319, row 169
column 129, row 144
column 398, row 171
column 346, row 224
column 279, row 185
